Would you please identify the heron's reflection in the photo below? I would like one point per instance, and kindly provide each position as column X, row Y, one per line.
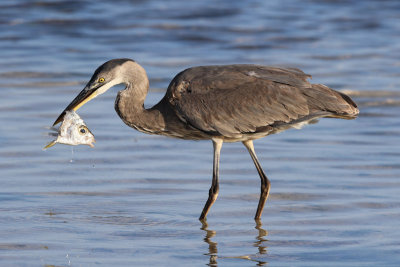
column 212, row 246
column 262, row 233
column 213, row 249
column 261, row 241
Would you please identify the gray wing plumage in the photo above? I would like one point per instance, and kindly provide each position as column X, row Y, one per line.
column 235, row 99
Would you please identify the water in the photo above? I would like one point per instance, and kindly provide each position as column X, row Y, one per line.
column 135, row 198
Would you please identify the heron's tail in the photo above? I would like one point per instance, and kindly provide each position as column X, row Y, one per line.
column 325, row 99
column 352, row 109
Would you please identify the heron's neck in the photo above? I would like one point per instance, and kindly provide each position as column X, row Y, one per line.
column 130, row 107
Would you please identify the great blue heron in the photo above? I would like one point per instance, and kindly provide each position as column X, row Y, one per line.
column 228, row 103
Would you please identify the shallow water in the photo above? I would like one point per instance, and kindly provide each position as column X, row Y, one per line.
column 135, row 198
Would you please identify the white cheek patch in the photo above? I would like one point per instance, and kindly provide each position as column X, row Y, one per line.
column 103, row 89
column 107, row 86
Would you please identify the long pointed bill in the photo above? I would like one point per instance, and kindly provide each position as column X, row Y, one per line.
column 82, row 98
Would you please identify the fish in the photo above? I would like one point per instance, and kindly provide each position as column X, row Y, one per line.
column 73, row 131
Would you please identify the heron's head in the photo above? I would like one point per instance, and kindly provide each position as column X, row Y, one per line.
column 113, row 72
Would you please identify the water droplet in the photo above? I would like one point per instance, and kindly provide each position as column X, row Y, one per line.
column 72, row 155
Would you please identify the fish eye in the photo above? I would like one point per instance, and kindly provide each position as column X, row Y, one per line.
column 83, row 130
column 101, row 80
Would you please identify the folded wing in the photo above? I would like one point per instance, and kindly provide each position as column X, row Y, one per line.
column 236, row 99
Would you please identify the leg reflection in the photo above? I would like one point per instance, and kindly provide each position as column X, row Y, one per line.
column 256, row 257
column 212, row 246
column 262, row 233
column 262, row 248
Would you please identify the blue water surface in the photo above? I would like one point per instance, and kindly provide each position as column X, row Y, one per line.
column 134, row 199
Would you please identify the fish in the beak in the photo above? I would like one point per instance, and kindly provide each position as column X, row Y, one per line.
column 73, row 131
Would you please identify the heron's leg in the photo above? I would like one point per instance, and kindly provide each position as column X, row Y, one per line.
column 214, row 189
column 265, row 184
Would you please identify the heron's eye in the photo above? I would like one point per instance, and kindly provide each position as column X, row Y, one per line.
column 101, row 80
column 83, row 130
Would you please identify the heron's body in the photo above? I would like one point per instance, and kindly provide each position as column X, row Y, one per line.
column 228, row 103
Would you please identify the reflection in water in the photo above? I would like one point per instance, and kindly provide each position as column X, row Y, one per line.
column 212, row 246
column 262, row 249
column 213, row 249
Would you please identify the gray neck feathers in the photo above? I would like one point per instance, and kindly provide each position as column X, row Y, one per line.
column 129, row 103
